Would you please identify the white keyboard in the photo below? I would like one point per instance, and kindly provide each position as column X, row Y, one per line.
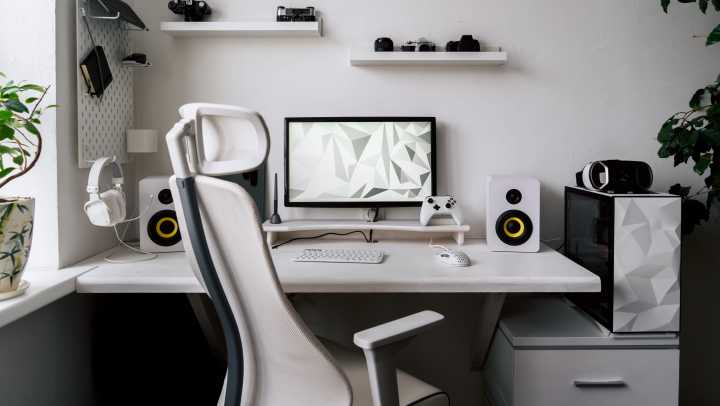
column 340, row 255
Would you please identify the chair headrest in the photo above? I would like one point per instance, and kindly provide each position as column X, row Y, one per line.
column 228, row 139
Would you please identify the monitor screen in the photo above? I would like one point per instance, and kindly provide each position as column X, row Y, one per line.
column 359, row 162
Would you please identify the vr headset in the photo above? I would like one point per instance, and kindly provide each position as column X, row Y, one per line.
column 616, row 176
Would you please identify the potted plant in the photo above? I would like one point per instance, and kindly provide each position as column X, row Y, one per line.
column 696, row 134
column 20, row 148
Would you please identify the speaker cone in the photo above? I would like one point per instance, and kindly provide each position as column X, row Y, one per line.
column 514, row 227
column 163, row 228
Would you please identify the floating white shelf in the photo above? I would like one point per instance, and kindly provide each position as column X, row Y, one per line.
column 412, row 226
column 243, row 29
column 371, row 58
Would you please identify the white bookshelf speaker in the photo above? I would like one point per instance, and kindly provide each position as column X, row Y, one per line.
column 513, row 213
column 159, row 228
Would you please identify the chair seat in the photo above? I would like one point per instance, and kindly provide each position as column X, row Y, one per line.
column 412, row 391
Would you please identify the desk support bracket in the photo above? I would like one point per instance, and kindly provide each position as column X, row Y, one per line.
column 487, row 325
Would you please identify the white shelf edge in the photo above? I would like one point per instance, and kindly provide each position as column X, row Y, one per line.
column 242, row 29
column 372, row 58
column 412, row 226
column 389, row 225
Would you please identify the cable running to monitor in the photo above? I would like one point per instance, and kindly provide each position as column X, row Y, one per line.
column 367, row 239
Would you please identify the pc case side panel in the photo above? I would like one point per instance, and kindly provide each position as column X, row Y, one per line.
column 646, row 257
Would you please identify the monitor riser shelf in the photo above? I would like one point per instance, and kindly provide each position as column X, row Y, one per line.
column 273, row 231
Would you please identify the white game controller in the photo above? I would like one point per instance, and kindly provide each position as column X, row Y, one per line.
column 440, row 206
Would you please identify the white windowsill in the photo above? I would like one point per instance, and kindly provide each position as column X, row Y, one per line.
column 46, row 286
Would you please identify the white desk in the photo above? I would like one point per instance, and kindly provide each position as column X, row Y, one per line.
column 408, row 266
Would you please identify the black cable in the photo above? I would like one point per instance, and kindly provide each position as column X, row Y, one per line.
column 323, row 235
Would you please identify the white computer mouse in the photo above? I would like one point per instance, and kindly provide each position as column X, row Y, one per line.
column 453, row 258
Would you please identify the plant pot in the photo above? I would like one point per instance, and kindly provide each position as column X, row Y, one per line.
column 16, row 227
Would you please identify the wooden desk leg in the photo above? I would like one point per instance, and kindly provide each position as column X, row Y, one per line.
column 487, row 324
column 209, row 324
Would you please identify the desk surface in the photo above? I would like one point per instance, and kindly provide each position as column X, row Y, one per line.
column 409, row 266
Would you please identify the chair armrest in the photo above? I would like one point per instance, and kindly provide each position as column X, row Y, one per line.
column 381, row 343
column 396, row 330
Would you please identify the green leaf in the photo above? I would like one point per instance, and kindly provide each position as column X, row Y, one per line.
column 666, row 132
column 679, row 159
column 679, row 190
column 4, row 149
column 703, row 4
column 702, row 164
column 18, row 160
column 5, row 172
column 696, row 99
column 714, row 37
column 52, row 106
column 16, row 106
column 31, row 100
column 31, row 127
column 36, row 88
column 5, row 115
column 665, row 4
column 6, row 132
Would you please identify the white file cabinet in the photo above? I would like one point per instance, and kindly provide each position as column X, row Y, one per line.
column 548, row 353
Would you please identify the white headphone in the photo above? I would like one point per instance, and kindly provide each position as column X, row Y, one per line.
column 105, row 209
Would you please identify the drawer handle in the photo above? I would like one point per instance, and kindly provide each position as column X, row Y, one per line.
column 600, row 383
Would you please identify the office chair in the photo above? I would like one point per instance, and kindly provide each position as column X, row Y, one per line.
column 273, row 358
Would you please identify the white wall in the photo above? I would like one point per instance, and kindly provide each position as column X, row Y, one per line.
column 27, row 52
column 586, row 81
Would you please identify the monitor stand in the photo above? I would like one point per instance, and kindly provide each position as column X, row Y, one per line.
column 372, row 214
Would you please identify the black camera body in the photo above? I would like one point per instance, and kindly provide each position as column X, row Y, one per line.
column 192, row 10
column 466, row 44
column 384, row 44
column 295, row 14
column 616, row 176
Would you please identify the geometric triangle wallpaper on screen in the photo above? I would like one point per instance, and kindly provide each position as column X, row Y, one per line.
column 359, row 161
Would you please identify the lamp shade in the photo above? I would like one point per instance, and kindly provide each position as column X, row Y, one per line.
column 142, row 141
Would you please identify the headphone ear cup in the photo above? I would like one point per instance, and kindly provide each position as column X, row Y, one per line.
column 114, row 200
column 98, row 213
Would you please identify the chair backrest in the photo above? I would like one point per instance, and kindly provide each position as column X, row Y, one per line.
column 283, row 363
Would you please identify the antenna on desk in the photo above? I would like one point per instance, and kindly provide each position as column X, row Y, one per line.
column 275, row 218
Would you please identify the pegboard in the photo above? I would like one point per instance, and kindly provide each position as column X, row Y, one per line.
column 103, row 122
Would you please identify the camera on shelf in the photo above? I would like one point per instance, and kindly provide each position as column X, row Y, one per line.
column 466, row 44
column 384, row 44
column 193, row 10
column 421, row 45
column 296, row 14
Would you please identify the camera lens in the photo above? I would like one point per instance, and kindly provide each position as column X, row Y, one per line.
column 513, row 196
column 165, row 196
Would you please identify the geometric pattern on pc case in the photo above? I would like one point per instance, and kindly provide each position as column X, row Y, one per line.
column 360, row 160
column 646, row 265
column 106, row 208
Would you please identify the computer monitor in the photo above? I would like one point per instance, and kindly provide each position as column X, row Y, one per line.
column 359, row 161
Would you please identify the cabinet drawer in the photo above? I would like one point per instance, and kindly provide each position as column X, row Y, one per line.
column 595, row 377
